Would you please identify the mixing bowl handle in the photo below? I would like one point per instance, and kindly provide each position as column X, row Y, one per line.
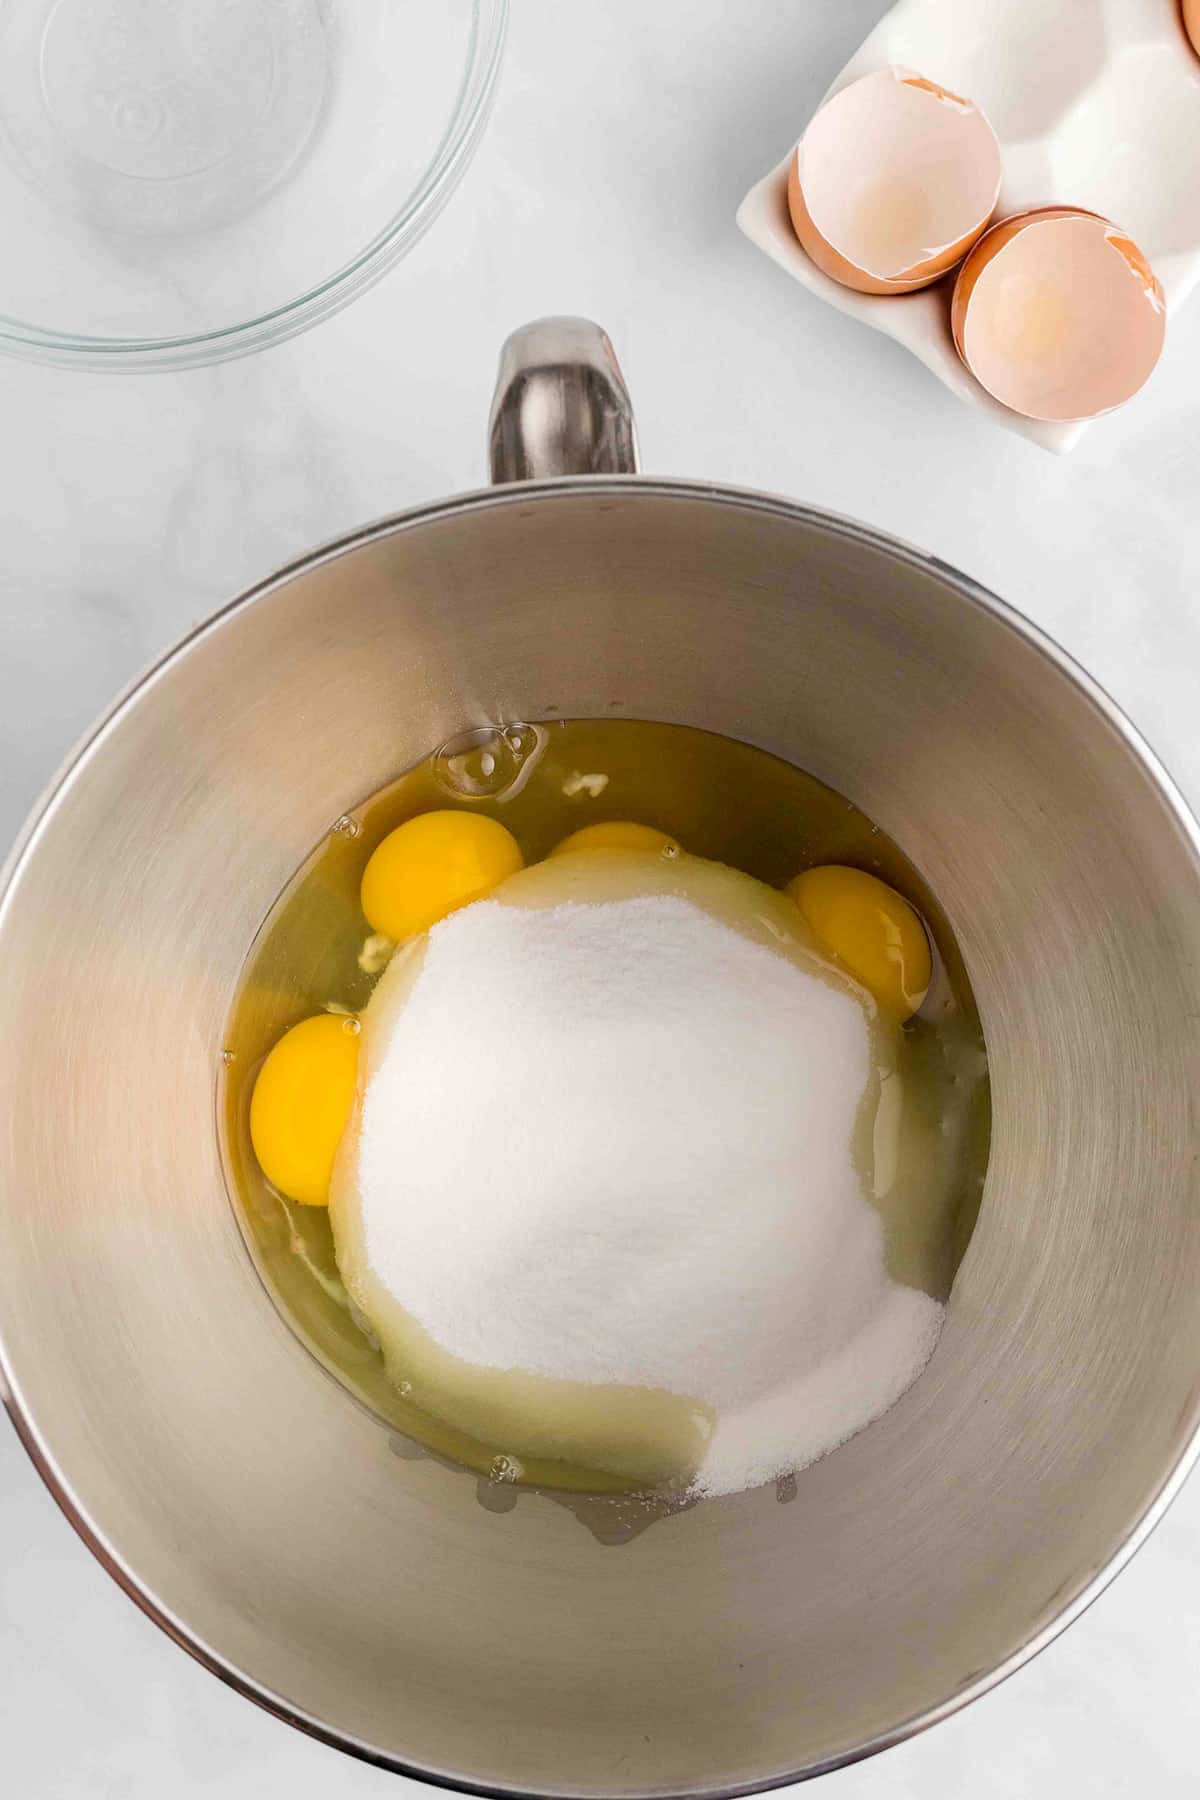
column 561, row 406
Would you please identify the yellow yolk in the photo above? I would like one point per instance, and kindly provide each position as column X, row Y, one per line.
column 301, row 1102
column 432, row 865
column 621, row 834
column 870, row 928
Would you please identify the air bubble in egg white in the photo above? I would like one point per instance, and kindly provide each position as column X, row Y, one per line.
column 489, row 763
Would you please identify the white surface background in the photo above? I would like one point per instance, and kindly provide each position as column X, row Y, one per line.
column 624, row 136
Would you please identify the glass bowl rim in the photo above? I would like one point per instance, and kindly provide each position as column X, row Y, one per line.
column 448, row 164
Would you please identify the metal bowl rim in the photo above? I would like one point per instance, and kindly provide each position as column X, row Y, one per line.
column 635, row 488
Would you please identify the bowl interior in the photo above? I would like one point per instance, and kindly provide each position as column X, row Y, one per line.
column 178, row 183
column 275, row 1527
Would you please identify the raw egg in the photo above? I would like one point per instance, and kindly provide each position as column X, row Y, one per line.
column 301, row 1102
column 620, row 834
column 893, row 181
column 1058, row 314
column 870, row 928
column 430, row 866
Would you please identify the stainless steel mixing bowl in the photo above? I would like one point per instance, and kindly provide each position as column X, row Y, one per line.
column 234, row 1489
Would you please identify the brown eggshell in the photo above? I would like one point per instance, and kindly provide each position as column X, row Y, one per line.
column 892, row 183
column 1057, row 313
column 1191, row 22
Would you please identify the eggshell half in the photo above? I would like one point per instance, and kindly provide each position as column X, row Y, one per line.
column 1058, row 315
column 1191, row 22
column 892, row 182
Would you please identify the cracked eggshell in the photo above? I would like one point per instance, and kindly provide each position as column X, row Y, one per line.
column 1191, row 22
column 1058, row 314
column 1096, row 104
column 892, row 182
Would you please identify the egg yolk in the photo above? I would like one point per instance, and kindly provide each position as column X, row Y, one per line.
column 870, row 928
column 430, row 866
column 621, row 834
column 301, row 1102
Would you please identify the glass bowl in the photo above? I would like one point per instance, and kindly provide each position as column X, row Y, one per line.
column 186, row 182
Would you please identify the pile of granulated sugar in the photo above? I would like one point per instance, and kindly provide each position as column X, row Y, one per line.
column 613, row 1143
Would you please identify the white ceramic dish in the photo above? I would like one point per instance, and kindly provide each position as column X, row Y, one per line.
column 1096, row 104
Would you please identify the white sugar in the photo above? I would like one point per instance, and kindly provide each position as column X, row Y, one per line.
column 613, row 1143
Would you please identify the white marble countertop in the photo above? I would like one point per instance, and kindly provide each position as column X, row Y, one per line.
column 130, row 506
